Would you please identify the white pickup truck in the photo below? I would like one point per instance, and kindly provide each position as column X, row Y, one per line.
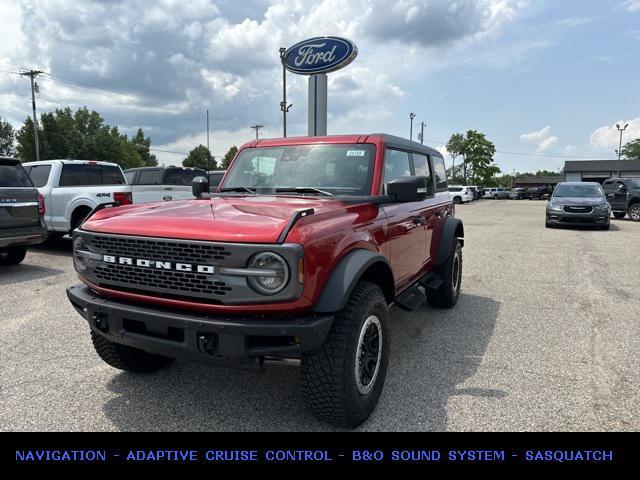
column 157, row 184
column 72, row 188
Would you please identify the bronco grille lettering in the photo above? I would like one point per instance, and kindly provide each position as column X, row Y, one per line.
column 141, row 262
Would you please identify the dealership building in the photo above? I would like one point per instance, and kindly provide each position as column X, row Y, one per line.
column 599, row 170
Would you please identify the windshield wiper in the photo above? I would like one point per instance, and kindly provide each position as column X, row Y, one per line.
column 317, row 191
column 239, row 189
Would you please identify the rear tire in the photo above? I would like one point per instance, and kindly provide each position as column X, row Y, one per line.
column 342, row 379
column 127, row 358
column 634, row 212
column 12, row 255
column 619, row 215
column 457, row 200
column 78, row 217
column 446, row 296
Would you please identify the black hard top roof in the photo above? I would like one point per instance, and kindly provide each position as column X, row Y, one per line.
column 9, row 161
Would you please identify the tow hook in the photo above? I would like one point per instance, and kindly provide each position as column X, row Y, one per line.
column 207, row 343
column 101, row 322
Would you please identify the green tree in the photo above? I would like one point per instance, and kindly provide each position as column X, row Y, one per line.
column 7, row 136
column 631, row 151
column 200, row 157
column 228, row 157
column 143, row 145
column 478, row 153
column 455, row 147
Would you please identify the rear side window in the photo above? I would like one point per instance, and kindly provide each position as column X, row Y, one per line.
column 150, row 177
column 14, row 176
column 421, row 167
column 129, row 176
column 177, row 176
column 40, row 175
column 440, row 173
column 455, row 189
column 87, row 175
column 396, row 165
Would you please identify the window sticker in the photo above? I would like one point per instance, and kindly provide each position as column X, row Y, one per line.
column 355, row 153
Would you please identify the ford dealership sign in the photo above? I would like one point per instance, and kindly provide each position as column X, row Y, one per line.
column 320, row 55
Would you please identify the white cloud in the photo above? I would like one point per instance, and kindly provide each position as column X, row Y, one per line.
column 630, row 5
column 542, row 139
column 608, row 137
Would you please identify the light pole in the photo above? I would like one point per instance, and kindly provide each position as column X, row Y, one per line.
column 411, row 117
column 620, row 148
column 284, row 108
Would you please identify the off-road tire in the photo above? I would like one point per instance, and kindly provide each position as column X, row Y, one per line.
column 12, row 255
column 619, row 215
column 329, row 383
column 634, row 212
column 446, row 296
column 127, row 358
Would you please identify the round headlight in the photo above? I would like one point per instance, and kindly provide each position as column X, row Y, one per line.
column 275, row 273
column 79, row 260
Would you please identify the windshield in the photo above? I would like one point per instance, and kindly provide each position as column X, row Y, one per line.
column 327, row 169
column 586, row 191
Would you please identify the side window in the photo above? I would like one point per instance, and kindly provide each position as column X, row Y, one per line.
column 40, row 175
column 149, row 177
column 130, row 176
column 396, row 164
column 422, row 169
column 178, row 176
column 440, row 172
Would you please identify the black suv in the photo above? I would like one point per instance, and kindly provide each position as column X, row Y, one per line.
column 21, row 211
column 623, row 194
column 538, row 193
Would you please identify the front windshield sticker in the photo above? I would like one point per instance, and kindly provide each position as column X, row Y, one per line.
column 355, row 153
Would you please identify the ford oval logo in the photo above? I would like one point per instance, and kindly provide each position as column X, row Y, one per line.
column 320, row 55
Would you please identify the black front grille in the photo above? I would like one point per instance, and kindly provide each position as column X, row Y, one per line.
column 191, row 284
column 577, row 209
column 161, row 250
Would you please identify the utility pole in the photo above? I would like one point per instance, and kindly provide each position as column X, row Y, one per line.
column 208, row 130
column 422, row 133
column 620, row 148
column 257, row 128
column 284, row 108
column 411, row 117
column 32, row 74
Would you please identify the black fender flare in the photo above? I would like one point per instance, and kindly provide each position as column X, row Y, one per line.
column 447, row 235
column 344, row 278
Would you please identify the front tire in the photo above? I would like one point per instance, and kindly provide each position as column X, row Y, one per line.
column 342, row 380
column 127, row 358
column 446, row 296
column 12, row 255
column 457, row 200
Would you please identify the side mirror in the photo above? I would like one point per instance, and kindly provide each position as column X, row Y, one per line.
column 610, row 196
column 199, row 186
column 407, row 189
column 622, row 188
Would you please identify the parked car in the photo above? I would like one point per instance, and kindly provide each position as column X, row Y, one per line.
column 21, row 211
column 578, row 203
column 538, row 193
column 518, row 194
column 73, row 188
column 460, row 194
column 215, row 177
column 623, row 194
column 157, row 184
column 475, row 191
column 496, row 193
column 300, row 256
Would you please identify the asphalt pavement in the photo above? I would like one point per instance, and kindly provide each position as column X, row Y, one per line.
column 546, row 336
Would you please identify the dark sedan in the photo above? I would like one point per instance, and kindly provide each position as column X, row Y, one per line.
column 579, row 204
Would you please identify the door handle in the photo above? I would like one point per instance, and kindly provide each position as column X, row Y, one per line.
column 419, row 220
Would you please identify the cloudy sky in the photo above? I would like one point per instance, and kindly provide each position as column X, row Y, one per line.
column 546, row 80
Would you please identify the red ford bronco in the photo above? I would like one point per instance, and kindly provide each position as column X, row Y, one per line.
column 299, row 254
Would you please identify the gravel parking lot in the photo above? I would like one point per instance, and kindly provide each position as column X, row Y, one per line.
column 546, row 336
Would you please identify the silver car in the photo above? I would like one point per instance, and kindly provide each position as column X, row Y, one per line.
column 579, row 204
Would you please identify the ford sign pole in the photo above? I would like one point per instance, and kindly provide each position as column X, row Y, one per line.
column 316, row 57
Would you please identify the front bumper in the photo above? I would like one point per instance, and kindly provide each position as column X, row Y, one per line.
column 23, row 237
column 578, row 219
column 225, row 341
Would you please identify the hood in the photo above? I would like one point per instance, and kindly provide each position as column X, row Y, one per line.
column 243, row 219
column 585, row 201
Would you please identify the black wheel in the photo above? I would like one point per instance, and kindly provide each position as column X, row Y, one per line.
column 78, row 217
column 12, row 255
column 457, row 200
column 619, row 215
column 495, row 197
column 342, row 380
column 634, row 212
column 446, row 296
column 127, row 358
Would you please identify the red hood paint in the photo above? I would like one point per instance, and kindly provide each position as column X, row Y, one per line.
column 242, row 219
